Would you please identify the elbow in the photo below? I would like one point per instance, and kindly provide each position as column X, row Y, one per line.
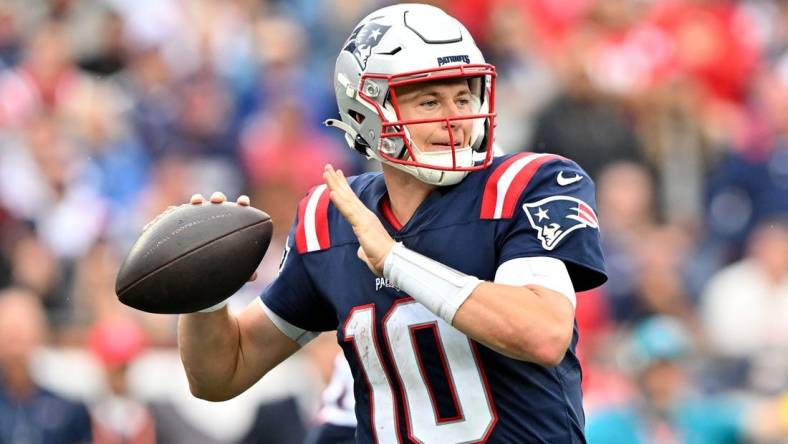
column 550, row 357
column 548, row 350
column 211, row 394
column 553, row 348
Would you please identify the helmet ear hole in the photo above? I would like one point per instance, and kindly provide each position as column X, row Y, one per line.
column 361, row 145
column 358, row 117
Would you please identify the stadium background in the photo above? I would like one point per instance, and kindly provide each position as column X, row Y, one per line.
column 112, row 110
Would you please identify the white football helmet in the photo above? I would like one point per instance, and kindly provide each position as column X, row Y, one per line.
column 401, row 45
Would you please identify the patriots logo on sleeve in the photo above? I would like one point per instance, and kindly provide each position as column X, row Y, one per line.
column 363, row 39
column 555, row 217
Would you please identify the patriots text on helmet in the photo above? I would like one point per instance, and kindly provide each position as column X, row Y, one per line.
column 453, row 59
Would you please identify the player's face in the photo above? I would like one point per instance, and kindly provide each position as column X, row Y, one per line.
column 437, row 100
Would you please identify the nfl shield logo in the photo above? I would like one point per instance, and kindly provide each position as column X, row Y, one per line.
column 555, row 217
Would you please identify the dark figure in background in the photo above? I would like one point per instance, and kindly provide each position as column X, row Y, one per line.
column 584, row 125
column 29, row 413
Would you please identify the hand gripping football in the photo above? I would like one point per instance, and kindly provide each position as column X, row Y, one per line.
column 193, row 257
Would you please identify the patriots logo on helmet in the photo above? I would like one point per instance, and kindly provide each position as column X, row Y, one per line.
column 555, row 217
column 363, row 39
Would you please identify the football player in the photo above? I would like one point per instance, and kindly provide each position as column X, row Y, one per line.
column 449, row 278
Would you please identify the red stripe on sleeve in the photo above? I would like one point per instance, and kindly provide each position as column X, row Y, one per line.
column 491, row 187
column 520, row 182
column 300, row 234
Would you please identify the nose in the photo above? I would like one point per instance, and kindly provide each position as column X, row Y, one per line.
column 451, row 110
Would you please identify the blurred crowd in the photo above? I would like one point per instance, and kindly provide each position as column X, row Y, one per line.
column 112, row 110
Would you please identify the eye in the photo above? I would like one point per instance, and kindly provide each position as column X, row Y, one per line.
column 429, row 104
column 463, row 102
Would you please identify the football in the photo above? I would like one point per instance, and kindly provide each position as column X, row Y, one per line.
column 193, row 257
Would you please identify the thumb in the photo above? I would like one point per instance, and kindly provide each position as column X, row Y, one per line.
column 363, row 256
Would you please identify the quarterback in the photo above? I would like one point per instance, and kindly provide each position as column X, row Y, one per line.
column 449, row 277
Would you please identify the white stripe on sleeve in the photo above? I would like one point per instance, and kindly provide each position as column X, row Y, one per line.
column 310, row 229
column 291, row 331
column 548, row 272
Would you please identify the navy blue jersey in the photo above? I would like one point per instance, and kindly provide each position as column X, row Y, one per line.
column 417, row 379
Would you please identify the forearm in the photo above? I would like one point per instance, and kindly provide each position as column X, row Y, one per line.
column 225, row 354
column 525, row 321
column 530, row 323
column 209, row 348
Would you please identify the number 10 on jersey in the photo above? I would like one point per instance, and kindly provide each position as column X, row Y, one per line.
column 476, row 414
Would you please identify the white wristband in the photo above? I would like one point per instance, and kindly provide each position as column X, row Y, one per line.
column 440, row 288
column 216, row 307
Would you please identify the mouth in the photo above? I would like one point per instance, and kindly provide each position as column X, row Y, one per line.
column 447, row 145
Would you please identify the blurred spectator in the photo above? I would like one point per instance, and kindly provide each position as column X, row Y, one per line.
column 521, row 73
column 117, row 416
column 667, row 409
column 154, row 111
column 43, row 81
column 119, row 168
column 714, row 42
column 626, row 54
column 745, row 307
column 647, row 260
column 111, row 56
column 661, row 258
column 583, row 124
column 625, row 196
column 10, row 40
column 30, row 413
column 283, row 155
column 204, row 118
column 35, row 267
column 750, row 182
column 43, row 181
column 286, row 72
column 93, row 299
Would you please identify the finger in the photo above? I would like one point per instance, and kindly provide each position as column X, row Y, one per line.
column 218, row 197
column 196, row 199
column 333, row 185
column 329, row 175
column 253, row 277
column 361, row 254
column 349, row 205
column 243, row 200
column 335, row 179
column 344, row 203
column 342, row 196
column 343, row 180
column 337, row 182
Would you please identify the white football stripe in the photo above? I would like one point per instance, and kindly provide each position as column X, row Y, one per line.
column 505, row 181
column 310, row 230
